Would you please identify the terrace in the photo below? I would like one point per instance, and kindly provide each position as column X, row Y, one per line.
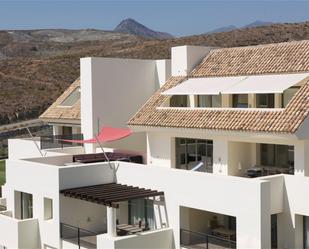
column 113, row 209
column 244, row 159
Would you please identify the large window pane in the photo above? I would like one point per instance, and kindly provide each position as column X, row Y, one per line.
column 265, row 100
column 26, row 206
column 179, row 101
column 204, row 101
column 277, row 155
column 188, row 155
column 240, row 100
column 141, row 212
column 216, row 100
column 209, row 101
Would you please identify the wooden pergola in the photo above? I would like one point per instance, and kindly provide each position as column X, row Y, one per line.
column 110, row 194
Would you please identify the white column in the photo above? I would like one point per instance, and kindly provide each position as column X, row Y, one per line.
column 278, row 100
column 192, row 101
column 301, row 158
column 75, row 130
column 57, row 130
column 220, row 156
column 111, row 222
column 253, row 226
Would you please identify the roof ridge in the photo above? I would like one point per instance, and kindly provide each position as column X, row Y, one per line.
column 273, row 44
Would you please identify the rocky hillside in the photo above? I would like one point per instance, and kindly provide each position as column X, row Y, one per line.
column 34, row 73
column 130, row 26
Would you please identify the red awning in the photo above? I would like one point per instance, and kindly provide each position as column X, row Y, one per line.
column 107, row 134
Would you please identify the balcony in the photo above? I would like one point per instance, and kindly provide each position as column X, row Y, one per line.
column 18, row 233
column 203, row 229
column 77, row 237
column 30, row 148
column 196, row 240
column 56, row 141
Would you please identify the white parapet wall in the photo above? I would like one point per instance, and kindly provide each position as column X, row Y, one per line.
column 233, row 196
column 157, row 239
column 27, row 148
column 18, row 233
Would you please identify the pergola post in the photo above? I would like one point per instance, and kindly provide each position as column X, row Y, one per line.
column 111, row 221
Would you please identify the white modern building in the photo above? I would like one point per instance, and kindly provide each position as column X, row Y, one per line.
column 224, row 137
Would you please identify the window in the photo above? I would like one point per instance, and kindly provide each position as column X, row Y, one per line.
column 67, row 130
column 48, row 209
column 142, row 211
column 277, row 155
column 189, row 152
column 209, row 100
column 26, row 206
column 274, row 231
column 288, row 95
column 72, row 98
column 265, row 100
column 240, row 100
column 179, row 101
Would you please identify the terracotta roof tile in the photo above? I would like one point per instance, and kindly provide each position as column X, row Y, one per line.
column 55, row 111
column 263, row 59
column 285, row 120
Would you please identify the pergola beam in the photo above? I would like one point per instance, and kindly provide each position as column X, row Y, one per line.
column 109, row 194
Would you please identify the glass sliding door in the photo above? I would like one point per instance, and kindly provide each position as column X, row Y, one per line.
column 190, row 152
column 141, row 212
column 278, row 156
column 26, row 206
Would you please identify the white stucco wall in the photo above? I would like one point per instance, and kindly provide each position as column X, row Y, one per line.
column 189, row 189
column 112, row 90
column 26, row 148
column 40, row 181
column 83, row 214
column 296, row 189
column 233, row 153
column 186, row 58
column 147, row 240
column 19, row 233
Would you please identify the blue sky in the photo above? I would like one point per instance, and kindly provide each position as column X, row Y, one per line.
column 176, row 17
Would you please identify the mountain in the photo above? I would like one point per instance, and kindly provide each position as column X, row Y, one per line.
column 36, row 66
column 233, row 27
column 257, row 24
column 130, row 26
column 223, row 29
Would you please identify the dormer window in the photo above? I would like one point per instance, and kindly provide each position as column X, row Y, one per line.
column 251, row 91
column 72, row 98
column 179, row 101
column 209, row 100
column 240, row 100
column 265, row 100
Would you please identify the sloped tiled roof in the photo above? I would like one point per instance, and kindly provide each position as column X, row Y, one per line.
column 261, row 59
column 63, row 113
column 275, row 58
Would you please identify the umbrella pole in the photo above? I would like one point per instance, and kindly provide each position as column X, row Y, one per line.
column 33, row 140
column 110, row 165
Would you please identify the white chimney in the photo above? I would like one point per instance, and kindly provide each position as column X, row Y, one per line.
column 186, row 58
